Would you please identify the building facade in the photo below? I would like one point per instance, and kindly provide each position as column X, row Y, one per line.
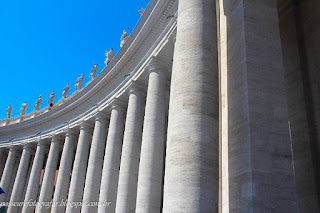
column 209, row 106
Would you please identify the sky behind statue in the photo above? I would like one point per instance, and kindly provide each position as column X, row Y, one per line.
column 46, row 44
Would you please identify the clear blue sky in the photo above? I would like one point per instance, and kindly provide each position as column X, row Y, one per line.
column 45, row 44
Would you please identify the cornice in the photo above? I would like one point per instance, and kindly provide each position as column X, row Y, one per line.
column 113, row 81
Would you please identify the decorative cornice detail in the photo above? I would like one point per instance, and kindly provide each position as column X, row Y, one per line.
column 114, row 82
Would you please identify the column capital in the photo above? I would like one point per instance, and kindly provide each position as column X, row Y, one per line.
column 5, row 148
column 71, row 133
column 28, row 145
column 85, row 125
column 136, row 88
column 157, row 64
column 117, row 104
column 43, row 143
column 100, row 116
column 56, row 138
column 14, row 148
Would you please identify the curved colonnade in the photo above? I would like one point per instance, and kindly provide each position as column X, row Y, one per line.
column 63, row 154
column 190, row 116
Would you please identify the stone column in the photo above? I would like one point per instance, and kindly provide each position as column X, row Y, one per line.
column 47, row 185
column 261, row 175
column 79, row 167
column 94, row 171
column 14, row 174
column 63, row 180
column 192, row 164
column 150, row 181
column 20, row 181
column 298, row 94
column 3, row 158
column 110, row 174
column 34, row 180
column 8, row 171
column 129, row 167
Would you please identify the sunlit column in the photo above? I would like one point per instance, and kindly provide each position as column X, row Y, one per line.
column 150, row 181
column 20, row 181
column 80, row 167
column 129, row 167
column 8, row 171
column 47, row 185
column 63, row 180
column 94, row 171
column 110, row 175
column 192, row 170
column 34, row 180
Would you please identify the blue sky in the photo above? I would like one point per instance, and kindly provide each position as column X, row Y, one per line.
column 45, row 44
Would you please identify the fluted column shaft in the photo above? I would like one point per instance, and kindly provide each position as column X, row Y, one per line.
column 94, row 171
column 63, row 180
column 110, row 174
column 47, row 185
column 7, row 173
column 34, row 180
column 79, row 167
column 149, row 195
column 129, row 167
column 20, row 181
column 192, row 169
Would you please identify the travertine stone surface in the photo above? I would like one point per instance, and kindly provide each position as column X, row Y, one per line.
column 47, row 186
column 112, row 157
column 308, row 32
column 192, row 170
column 34, row 180
column 3, row 159
column 19, row 183
column 150, row 180
column 304, row 166
column 80, row 167
column 254, row 144
column 8, row 173
column 261, row 177
column 95, row 163
column 13, row 176
column 129, row 167
column 65, row 168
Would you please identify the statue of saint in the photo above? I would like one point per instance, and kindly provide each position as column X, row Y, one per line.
column 93, row 72
column 109, row 56
column 38, row 103
column 65, row 91
column 124, row 38
column 23, row 108
column 8, row 111
column 78, row 83
column 51, row 97
column 141, row 11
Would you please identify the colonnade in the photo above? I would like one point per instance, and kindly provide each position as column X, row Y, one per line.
column 99, row 160
column 216, row 121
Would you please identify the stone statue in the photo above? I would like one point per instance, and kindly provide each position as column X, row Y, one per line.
column 51, row 97
column 38, row 103
column 8, row 111
column 93, row 72
column 141, row 11
column 124, row 38
column 23, row 108
column 78, row 83
column 109, row 56
column 65, row 91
